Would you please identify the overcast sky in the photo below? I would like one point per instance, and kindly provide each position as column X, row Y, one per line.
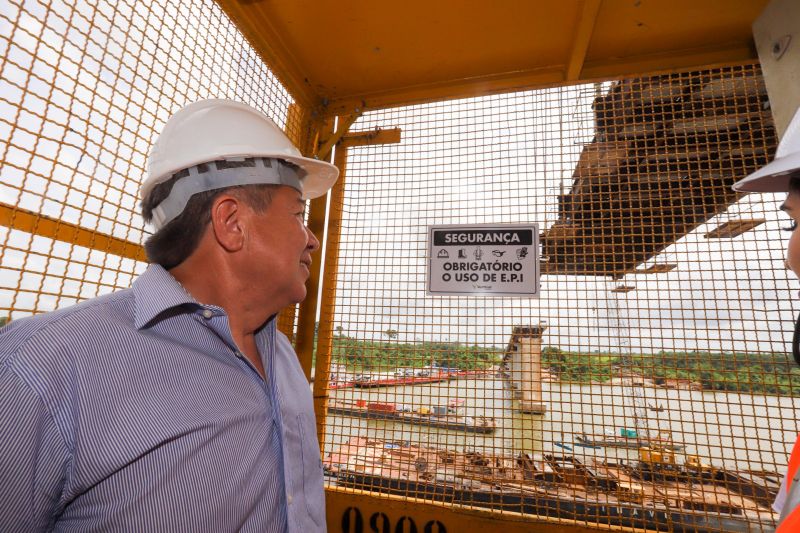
column 78, row 114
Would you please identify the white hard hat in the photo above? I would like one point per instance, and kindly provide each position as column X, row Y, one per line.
column 224, row 130
column 775, row 176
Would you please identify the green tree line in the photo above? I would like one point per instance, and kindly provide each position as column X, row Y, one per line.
column 373, row 355
column 752, row 373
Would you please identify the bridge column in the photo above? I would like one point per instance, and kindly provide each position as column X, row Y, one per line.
column 523, row 365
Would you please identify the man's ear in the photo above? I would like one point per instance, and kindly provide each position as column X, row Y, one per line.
column 227, row 222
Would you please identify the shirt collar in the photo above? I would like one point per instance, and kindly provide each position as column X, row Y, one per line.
column 156, row 291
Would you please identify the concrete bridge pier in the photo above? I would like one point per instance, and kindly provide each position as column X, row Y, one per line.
column 523, row 367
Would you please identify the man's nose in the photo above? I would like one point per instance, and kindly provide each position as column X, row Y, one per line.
column 313, row 242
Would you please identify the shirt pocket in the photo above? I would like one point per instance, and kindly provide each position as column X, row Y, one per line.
column 313, row 491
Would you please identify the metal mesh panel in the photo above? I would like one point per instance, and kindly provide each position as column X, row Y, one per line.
column 650, row 383
column 85, row 87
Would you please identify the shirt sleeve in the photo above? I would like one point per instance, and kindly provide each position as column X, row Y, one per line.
column 33, row 458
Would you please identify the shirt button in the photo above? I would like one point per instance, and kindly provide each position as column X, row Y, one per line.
column 207, row 313
column 289, row 499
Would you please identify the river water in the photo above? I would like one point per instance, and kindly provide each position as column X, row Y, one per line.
column 731, row 430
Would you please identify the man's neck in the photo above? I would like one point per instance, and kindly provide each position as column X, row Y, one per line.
column 219, row 286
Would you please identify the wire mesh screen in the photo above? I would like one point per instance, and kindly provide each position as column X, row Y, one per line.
column 85, row 88
column 649, row 384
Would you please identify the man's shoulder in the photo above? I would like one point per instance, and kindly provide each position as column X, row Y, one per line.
column 75, row 324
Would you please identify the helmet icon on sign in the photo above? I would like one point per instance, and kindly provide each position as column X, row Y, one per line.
column 443, row 254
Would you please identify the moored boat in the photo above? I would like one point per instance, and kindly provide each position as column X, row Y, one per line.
column 435, row 416
column 392, row 381
column 629, row 439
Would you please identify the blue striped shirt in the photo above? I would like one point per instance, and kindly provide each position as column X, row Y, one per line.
column 136, row 412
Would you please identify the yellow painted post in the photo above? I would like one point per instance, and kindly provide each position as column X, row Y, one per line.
column 307, row 312
column 297, row 126
column 325, row 334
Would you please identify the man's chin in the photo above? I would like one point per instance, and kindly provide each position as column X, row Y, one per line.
column 301, row 295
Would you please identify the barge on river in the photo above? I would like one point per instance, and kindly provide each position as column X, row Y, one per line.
column 436, row 416
column 372, row 381
column 630, row 439
column 685, row 499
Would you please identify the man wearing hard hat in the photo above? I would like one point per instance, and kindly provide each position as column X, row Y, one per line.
column 176, row 405
column 783, row 175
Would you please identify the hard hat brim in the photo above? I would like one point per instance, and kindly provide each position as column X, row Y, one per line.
column 774, row 177
column 320, row 175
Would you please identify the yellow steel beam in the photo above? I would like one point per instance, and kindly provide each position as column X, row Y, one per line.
column 325, row 333
column 592, row 71
column 307, row 313
column 583, row 35
column 346, row 509
column 458, row 88
column 376, row 136
column 44, row 226
column 342, row 128
column 675, row 61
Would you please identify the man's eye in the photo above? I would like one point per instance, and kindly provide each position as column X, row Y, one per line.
column 791, row 227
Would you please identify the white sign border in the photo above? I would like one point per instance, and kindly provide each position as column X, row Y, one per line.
column 536, row 244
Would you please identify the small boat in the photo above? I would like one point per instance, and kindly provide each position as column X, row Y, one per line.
column 628, row 438
column 586, row 445
column 444, row 417
column 387, row 381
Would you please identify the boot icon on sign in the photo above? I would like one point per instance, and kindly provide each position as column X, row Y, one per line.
column 462, row 254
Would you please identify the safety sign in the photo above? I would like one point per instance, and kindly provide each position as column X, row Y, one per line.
column 484, row 260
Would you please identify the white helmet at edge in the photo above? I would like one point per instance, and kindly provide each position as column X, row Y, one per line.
column 217, row 129
column 775, row 176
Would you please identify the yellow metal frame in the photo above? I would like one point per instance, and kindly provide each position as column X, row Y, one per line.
column 325, row 334
column 354, row 511
column 44, row 226
column 580, row 40
column 311, row 122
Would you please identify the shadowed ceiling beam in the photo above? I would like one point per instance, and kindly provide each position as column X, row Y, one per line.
column 583, row 35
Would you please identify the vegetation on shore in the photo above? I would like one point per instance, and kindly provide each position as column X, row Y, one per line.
column 752, row 373
column 371, row 355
